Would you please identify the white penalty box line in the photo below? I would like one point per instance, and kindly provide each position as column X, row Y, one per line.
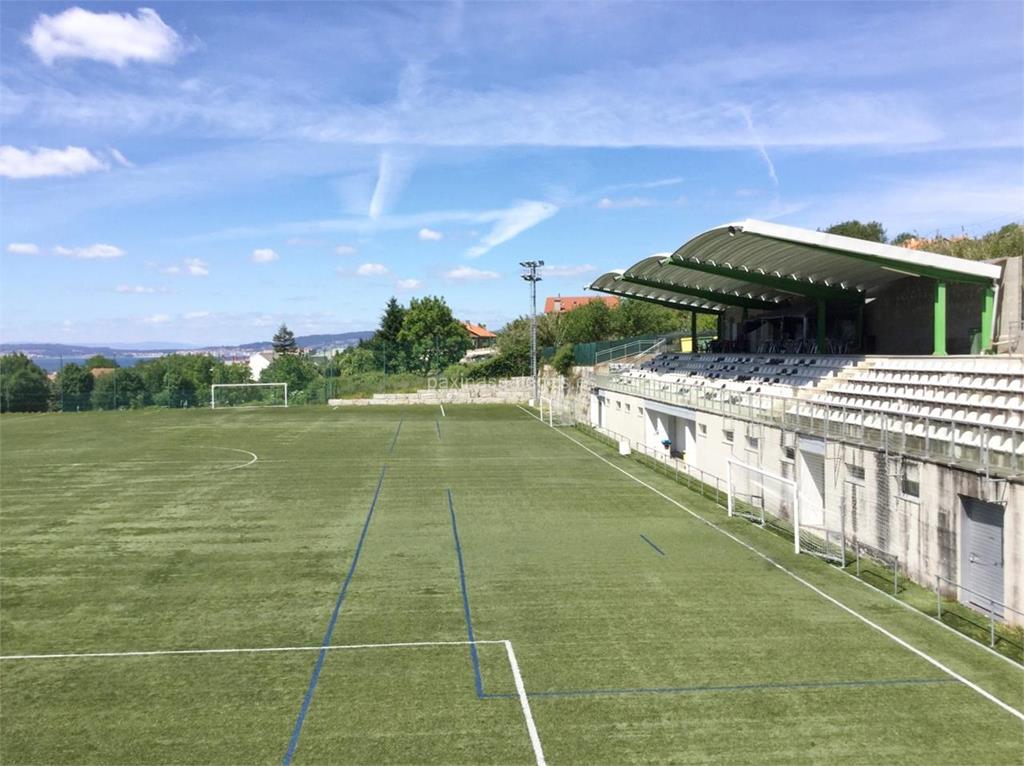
column 524, row 701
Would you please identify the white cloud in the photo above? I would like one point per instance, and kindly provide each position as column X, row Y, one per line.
column 430, row 235
column 196, row 268
column 42, row 162
column 511, row 223
column 264, row 255
column 408, row 284
column 469, row 274
column 372, row 270
column 607, row 203
column 157, row 319
column 120, row 159
column 193, row 267
column 115, row 38
column 135, row 289
column 23, row 248
column 568, row 271
column 196, row 314
column 392, row 173
column 91, row 252
column 345, row 250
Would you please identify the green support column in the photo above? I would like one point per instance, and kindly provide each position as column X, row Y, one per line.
column 822, row 337
column 693, row 332
column 939, row 330
column 987, row 310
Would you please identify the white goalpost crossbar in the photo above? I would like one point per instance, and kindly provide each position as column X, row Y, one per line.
column 733, row 467
column 215, row 386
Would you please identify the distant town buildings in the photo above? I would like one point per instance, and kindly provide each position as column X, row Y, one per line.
column 562, row 303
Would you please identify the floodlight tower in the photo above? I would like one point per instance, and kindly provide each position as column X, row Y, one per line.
column 530, row 275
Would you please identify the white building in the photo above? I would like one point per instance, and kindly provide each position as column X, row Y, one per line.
column 260, row 361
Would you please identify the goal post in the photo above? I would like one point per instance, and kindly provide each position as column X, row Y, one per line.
column 766, row 498
column 248, row 395
column 556, row 412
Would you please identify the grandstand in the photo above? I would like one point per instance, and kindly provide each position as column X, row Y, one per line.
column 833, row 369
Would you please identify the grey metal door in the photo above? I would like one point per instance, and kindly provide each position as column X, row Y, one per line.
column 981, row 556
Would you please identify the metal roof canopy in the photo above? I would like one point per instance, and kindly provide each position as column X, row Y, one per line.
column 761, row 265
column 788, row 260
column 613, row 284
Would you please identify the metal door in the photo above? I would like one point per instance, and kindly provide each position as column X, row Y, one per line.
column 981, row 555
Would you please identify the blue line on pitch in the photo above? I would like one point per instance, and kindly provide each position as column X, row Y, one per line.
column 732, row 688
column 473, row 656
column 659, row 550
column 394, row 439
column 308, row 699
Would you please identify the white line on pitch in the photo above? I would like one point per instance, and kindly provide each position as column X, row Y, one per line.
column 243, row 451
column 524, row 702
column 256, row 650
column 923, row 655
column 442, row 409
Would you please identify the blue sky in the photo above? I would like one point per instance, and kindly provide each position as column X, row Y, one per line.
column 201, row 172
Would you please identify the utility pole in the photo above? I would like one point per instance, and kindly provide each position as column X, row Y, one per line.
column 531, row 276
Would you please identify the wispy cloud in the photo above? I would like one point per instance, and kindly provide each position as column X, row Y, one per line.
column 392, row 174
column 264, row 255
column 193, row 315
column 408, row 284
column 430, row 235
column 511, row 223
column 114, row 38
column 625, row 203
column 42, row 162
column 157, row 319
column 568, row 271
column 135, row 289
column 304, row 242
column 23, row 248
column 345, row 250
column 189, row 267
column 97, row 251
column 469, row 274
column 120, row 159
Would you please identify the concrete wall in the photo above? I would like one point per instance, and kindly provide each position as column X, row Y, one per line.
column 1010, row 308
column 900, row 320
column 862, row 486
column 505, row 391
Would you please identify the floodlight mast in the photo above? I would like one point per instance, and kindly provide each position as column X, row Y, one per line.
column 530, row 275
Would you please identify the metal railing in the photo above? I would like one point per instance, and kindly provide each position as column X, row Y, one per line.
column 899, row 434
column 992, row 604
column 635, row 350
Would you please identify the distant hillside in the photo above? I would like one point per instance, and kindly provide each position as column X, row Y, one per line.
column 315, row 341
column 149, row 350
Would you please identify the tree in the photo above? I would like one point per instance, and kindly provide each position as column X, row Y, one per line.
column 389, row 352
column 74, row 387
column 99, row 361
column 872, row 231
column 589, row 322
column 297, row 370
column 642, row 318
column 903, row 238
column 284, row 341
column 433, row 336
column 120, row 389
column 24, row 386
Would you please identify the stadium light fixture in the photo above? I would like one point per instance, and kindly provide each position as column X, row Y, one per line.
column 530, row 275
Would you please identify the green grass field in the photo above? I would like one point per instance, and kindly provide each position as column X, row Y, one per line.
column 643, row 634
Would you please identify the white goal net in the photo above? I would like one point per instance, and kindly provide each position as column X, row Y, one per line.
column 768, row 499
column 248, row 395
column 557, row 411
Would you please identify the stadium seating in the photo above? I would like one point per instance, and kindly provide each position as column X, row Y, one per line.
column 973, row 404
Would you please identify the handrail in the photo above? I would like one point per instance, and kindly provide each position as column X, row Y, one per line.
column 839, row 423
column 939, row 579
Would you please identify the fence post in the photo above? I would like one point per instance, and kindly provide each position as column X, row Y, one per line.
column 938, row 596
column 991, row 623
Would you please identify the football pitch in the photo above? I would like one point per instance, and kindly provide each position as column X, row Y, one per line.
column 378, row 585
